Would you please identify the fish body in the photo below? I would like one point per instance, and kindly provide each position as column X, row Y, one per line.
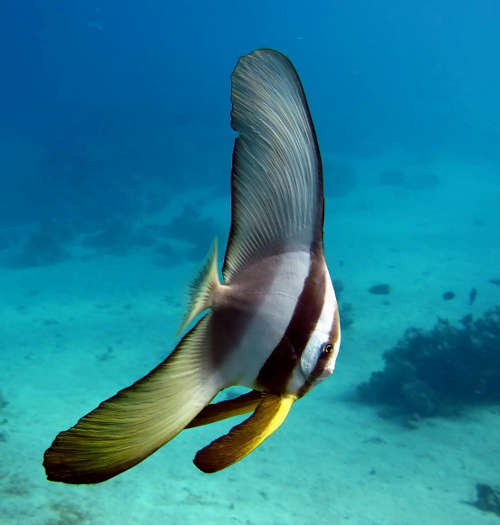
column 270, row 324
column 261, row 314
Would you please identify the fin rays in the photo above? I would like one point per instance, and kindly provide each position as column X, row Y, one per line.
column 202, row 288
column 277, row 185
column 130, row 426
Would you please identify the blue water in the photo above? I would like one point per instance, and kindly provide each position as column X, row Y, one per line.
column 420, row 77
column 115, row 159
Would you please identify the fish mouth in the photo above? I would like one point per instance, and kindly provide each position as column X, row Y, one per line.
column 327, row 372
column 322, row 370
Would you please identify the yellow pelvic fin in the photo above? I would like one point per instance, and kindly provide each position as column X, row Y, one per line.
column 202, row 288
column 224, row 409
column 245, row 437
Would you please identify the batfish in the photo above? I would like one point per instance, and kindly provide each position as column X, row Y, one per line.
column 271, row 323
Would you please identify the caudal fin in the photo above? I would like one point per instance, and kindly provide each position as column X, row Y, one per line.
column 127, row 428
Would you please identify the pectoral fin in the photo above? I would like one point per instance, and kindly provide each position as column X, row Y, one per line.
column 245, row 437
column 202, row 289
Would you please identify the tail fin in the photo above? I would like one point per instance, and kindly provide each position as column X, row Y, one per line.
column 127, row 428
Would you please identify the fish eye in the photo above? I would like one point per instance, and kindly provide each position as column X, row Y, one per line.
column 327, row 348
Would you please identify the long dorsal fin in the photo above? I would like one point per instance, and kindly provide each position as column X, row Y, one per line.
column 276, row 180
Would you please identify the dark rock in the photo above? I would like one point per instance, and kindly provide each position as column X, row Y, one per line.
column 338, row 286
column 488, row 498
column 472, row 295
column 346, row 318
column 44, row 246
column 447, row 296
column 3, row 401
column 380, row 289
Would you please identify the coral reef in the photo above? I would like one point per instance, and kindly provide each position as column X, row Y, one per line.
column 190, row 227
column 438, row 372
column 51, row 241
column 112, row 237
column 44, row 246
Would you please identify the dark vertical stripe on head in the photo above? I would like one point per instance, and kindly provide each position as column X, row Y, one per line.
column 278, row 368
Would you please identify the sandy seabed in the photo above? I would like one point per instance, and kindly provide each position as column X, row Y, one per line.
column 74, row 333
